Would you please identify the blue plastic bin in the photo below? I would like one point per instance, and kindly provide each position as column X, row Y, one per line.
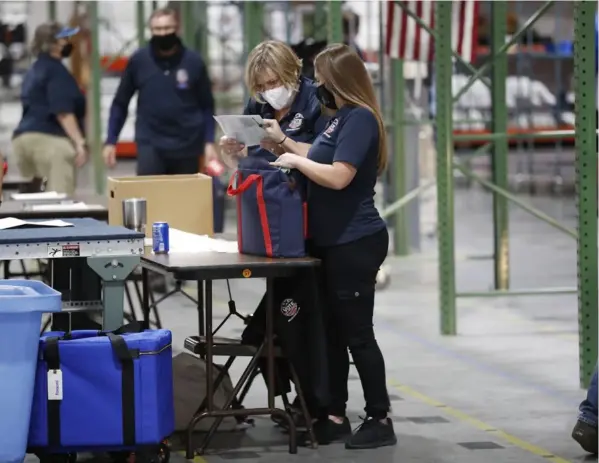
column 22, row 303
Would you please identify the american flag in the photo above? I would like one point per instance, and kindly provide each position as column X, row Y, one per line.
column 407, row 40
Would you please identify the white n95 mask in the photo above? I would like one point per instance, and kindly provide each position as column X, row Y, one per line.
column 278, row 97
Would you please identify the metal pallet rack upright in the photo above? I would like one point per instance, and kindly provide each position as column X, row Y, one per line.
column 586, row 167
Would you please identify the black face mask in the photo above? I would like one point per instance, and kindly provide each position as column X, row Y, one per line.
column 325, row 97
column 165, row 42
column 66, row 50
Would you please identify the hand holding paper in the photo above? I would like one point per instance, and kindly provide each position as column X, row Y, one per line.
column 248, row 130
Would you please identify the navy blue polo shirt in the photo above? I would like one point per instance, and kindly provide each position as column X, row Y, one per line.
column 49, row 89
column 175, row 106
column 302, row 123
column 342, row 216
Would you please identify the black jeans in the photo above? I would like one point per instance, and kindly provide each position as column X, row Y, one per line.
column 348, row 282
column 299, row 330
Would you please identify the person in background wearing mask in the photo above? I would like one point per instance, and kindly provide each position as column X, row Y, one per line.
column 174, row 127
column 49, row 141
column 349, row 237
column 278, row 91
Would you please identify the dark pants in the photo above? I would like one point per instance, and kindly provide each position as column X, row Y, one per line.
column 299, row 331
column 348, row 281
column 152, row 161
column 6, row 71
column 588, row 407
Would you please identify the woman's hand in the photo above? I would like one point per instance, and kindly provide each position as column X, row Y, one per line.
column 287, row 161
column 271, row 146
column 231, row 151
column 230, row 146
column 274, row 131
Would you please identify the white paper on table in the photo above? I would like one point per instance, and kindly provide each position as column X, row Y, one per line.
column 245, row 129
column 11, row 222
column 79, row 206
column 44, row 196
column 190, row 243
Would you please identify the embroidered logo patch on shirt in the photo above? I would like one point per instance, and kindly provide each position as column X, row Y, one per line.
column 290, row 309
column 331, row 128
column 297, row 122
column 182, row 79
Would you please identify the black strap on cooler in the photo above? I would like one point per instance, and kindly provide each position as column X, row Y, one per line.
column 52, row 357
column 133, row 327
column 120, row 348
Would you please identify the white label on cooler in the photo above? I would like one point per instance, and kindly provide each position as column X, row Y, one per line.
column 55, row 385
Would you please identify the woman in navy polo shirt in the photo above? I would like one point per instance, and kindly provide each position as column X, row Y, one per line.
column 49, row 141
column 350, row 238
column 279, row 92
column 273, row 78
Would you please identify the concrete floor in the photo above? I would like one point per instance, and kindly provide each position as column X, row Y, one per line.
column 504, row 390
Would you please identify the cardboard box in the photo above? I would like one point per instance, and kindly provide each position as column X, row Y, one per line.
column 183, row 201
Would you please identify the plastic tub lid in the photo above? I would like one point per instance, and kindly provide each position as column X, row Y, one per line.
column 22, row 296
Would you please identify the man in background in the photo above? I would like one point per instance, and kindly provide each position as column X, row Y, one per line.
column 174, row 127
column 351, row 26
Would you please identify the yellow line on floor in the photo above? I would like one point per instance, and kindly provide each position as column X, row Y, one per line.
column 196, row 459
column 476, row 423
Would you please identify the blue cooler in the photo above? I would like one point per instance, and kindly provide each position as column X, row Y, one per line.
column 22, row 303
column 102, row 391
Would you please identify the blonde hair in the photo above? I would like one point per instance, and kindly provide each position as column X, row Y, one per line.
column 342, row 71
column 276, row 57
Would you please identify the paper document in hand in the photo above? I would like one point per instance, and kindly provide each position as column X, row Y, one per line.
column 11, row 222
column 245, row 129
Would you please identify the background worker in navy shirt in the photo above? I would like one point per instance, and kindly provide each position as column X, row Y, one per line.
column 273, row 78
column 49, row 142
column 350, row 238
column 174, row 125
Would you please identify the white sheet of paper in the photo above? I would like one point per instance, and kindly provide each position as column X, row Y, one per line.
column 65, row 207
column 245, row 129
column 181, row 241
column 11, row 222
column 45, row 196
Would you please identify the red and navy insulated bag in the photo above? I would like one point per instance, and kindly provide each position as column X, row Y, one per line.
column 102, row 391
column 271, row 213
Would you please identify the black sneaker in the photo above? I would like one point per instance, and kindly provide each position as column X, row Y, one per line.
column 328, row 432
column 372, row 434
column 586, row 436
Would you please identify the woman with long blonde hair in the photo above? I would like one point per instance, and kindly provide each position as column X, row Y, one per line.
column 349, row 237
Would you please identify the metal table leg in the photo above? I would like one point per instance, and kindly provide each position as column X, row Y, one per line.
column 145, row 288
column 200, row 306
column 267, row 345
